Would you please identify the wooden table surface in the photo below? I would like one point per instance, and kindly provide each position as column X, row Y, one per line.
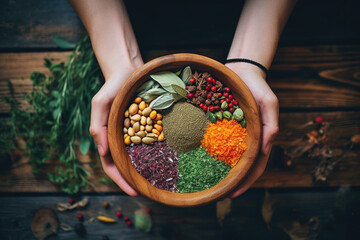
column 316, row 72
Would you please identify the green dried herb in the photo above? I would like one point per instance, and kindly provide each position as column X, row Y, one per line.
column 56, row 124
column 199, row 171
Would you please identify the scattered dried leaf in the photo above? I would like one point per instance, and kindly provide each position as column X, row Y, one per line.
column 143, row 220
column 222, row 209
column 44, row 223
column 267, row 209
column 67, row 206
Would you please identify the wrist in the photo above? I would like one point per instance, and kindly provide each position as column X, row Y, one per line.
column 244, row 68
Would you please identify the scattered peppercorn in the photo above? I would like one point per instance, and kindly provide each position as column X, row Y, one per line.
column 126, row 218
column 319, row 120
column 129, row 223
column 71, row 201
column 106, row 204
column 118, row 214
column 80, row 217
column 148, row 210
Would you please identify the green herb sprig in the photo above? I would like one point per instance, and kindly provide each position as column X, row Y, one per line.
column 56, row 123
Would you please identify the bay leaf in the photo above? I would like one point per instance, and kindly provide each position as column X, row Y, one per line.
column 151, row 94
column 156, row 91
column 179, row 90
column 162, row 102
column 146, row 86
column 186, row 75
column 166, row 78
column 176, row 97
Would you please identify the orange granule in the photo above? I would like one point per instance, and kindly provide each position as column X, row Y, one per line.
column 225, row 140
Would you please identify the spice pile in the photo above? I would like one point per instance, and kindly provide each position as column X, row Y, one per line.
column 184, row 126
column 184, row 131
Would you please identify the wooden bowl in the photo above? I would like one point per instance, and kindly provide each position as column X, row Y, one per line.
column 240, row 93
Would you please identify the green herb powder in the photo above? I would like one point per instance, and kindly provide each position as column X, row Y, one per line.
column 184, row 126
column 199, row 171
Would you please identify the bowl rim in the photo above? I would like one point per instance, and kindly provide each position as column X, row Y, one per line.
column 129, row 173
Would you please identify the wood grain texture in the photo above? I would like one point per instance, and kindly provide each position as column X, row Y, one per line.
column 243, row 222
column 301, row 77
column 240, row 91
column 343, row 126
column 26, row 25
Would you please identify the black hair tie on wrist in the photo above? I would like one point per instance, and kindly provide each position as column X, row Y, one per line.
column 247, row 61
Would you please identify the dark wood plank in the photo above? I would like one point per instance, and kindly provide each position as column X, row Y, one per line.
column 336, row 211
column 301, row 77
column 343, row 126
column 163, row 24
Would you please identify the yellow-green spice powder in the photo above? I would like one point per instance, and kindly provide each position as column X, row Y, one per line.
column 198, row 171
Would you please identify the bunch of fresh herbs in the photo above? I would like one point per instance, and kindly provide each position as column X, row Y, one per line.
column 55, row 124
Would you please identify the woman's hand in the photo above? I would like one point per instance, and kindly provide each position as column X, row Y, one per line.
column 100, row 109
column 268, row 104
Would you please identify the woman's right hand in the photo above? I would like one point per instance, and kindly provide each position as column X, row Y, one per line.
column 100, row 109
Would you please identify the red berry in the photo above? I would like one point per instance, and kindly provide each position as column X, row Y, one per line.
column 118, row 214
column 80, row 217
column 201, row 105
column 195, row 95
column 234, row 102
column 212, row 108
column 190, row 95
column 187, row 87
column 226, row 94
column 222, row 100
column 231, row 110
column 319, row 120
column 227, row 89
column 71, row 201
column 205, row 108
column 209, row 95
column 214, row 81
column 210, row 85
column 230, row 105
column 181, row 220
column 126, row 218
column 213, row 89
column 192, row 80
column 227, row 100
column 129, row 223
column 209, row 79
column 231, row 97
column 219, row 94
column 217, row 108
column 222, row 111
column 207, row 88
column 148, row 210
